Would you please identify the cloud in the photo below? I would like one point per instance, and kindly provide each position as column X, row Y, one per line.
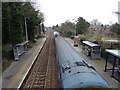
column 58, row 11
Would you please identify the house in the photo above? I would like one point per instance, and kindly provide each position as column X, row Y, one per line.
column 99, row 27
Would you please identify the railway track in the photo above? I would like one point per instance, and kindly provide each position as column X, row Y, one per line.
column 43, row 73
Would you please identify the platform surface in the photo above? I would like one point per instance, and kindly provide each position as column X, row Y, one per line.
column 13, row 75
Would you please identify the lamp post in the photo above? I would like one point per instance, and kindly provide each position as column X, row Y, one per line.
column 75, row 30
column 119, row 12
column 41, row 27
column 74, row 21
column 26, row 29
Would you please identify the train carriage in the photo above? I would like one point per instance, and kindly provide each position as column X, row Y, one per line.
column 75, row 72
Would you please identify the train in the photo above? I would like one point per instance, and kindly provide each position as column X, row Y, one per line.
column 56, row 34
column 74, row 71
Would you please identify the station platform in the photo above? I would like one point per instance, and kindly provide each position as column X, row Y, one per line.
column 98, row 65
column 13, row 75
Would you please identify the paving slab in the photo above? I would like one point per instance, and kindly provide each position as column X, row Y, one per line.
column 98, row 65
column 13, row 75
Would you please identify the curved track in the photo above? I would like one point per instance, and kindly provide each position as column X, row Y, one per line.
column 43, row 73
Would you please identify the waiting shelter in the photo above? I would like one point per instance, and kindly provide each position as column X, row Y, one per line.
column 91, row 49
column 111, row 42
column 19, row 49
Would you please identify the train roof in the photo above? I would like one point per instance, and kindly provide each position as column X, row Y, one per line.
column 21, row 44
column 91, row 44
column 111, row 41
column 75, row 71
column 81, row 76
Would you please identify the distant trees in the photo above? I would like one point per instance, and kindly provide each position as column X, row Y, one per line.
column 95, row 22
column 81, row 26
column 70, row 33
column 13, row 23
column 70, row 29
column 67, row 28
column 115, row 29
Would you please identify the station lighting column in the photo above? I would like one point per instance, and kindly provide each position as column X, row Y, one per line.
column 26, row 29
column 119, row 12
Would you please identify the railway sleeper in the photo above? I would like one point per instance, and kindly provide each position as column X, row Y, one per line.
column 38, row 82
column 38, row 86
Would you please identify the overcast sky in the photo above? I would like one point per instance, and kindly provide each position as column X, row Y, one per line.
column 58, row 11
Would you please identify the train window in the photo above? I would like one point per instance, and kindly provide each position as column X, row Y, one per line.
column 96, row 52
column 96, row 48
column 80, row 64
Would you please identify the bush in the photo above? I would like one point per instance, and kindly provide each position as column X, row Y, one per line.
column 83, row 39
column 96, row 42
column 35, row 40
column 40, row 36
column 6, row 63
column 70, row 33
column 6, row 48
column 72, row 37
